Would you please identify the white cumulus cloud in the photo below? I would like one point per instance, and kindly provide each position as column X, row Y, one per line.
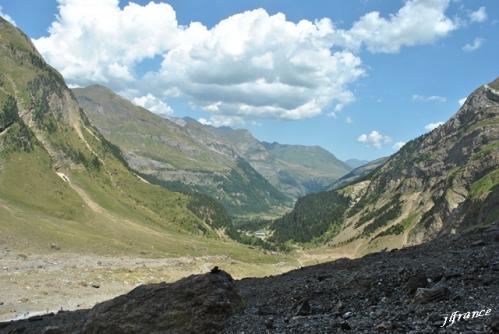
column 258, row 65
column 249, row 65
column 7, row 17
column 461, row 101
column 417, row 22
column 432, row 98
column 374, row 139
column 432, row 126
column 220, row 120
column 480, row 15
column 475, row 45
column 97, row 41
column 153, row 104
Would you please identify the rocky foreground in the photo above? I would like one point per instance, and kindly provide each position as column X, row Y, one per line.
column 412, row 290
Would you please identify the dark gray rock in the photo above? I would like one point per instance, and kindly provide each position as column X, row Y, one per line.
column 477, row 243
column 372, row 287
column 493, row 324
column 303, row 307
column 434, row 294
column 418, row 280
column 53, row 330
column 196, row 304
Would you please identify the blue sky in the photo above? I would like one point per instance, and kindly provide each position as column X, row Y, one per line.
column 356, row 83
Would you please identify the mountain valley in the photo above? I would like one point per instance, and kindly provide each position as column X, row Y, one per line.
column 250, row 178
column 63, row 186
column 99, row 196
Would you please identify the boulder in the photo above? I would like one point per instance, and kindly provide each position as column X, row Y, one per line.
column 196, row 304
column 418, row 280
column 302, row 308
column 434, row 294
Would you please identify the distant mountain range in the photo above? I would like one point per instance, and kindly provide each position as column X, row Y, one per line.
column 296, row 169
column 248, row 176
column 443, row 182
column 354, row 163
column 357, row 173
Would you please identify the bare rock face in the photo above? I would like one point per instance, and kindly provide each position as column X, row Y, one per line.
column 444, row 180
column 196, row 304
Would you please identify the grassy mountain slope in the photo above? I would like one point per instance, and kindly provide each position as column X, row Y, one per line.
column 312, row 167
column 62, row 182
column 203, row 158
column 445, row 181
column 178, row 155
column 295, row 169
column 141, row 133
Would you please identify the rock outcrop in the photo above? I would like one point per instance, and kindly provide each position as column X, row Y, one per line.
column 196, row 304
column 443, row 182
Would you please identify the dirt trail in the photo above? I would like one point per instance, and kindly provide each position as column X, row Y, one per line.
column 94, row 206
column 4, row 131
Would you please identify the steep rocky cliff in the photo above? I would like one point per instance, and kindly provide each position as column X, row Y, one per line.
column 442, row 182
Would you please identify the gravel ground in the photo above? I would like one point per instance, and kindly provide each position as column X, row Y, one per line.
column 32, row 284
column 411, row 290
column 379, row 292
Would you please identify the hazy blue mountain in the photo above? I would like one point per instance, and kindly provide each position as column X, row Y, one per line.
column 354, row 163
column 296, row 170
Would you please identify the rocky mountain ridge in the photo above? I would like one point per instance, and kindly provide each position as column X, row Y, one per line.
column 294, row 169
column 442, row 182
column 355, row 163
column 357, row 173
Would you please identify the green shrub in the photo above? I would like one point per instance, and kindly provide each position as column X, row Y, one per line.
column 384, row 218
column 9, row 113
column 396, row 229
column 19, row 138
